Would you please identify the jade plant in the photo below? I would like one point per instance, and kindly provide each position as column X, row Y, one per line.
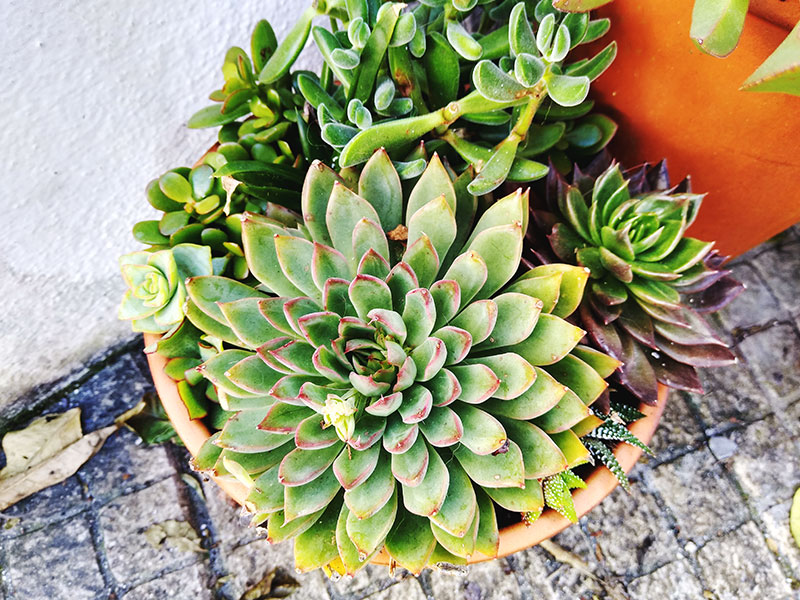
column 397, row 376
column 649, row 282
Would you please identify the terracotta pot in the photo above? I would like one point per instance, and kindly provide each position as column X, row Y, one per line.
column 673, row 101
column 512, row 538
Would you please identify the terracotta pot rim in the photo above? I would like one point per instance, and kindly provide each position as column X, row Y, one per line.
column 513, row 538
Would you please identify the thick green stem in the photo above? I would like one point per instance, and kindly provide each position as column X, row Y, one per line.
column 522, row 125
column 398, row 132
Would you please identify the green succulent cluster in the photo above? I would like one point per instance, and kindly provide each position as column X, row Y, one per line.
column 264, row 145
column 396, row 371
column 390, row 78
column 650, row 283
column 402, row 75
column 203, row 205
column 271, row 111
column 380, row 367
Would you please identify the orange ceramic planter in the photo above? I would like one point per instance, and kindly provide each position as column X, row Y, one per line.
column 673, row 101
column 512, row 538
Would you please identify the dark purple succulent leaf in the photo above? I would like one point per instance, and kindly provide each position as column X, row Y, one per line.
column 696, row 333
column 637, row 324
column 599, row 164
column 674, row 316
column 565, row 242
column 607, row 314
column 717, row 296
column 715, row 260
column 582, row 181
column 605, row 337
column 636, row 373
column 544, row 219
column 684, row 187
column 708, row 355
column 603, row 403
column 636, row 177
column 657, row 176
column 676, row 375
column 698, row 278
column 554, row 188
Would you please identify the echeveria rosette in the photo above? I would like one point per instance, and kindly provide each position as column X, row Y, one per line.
column 396, row 376
column 154, row 301
column 649, row 281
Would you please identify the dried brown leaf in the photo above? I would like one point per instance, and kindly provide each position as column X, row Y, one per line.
column 45, row 453
column 43, row 438
column 276, row 584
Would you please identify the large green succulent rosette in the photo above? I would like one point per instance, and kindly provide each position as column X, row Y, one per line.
column 154, row 301
column 396, row 377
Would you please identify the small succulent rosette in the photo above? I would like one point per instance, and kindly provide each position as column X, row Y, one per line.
column 650, row 283
column 156, row 295
column 396, row 375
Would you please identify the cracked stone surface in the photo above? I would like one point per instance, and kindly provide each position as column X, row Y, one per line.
column 752, row 573
column 132, row 557
column 697, row 480
column 707, row 518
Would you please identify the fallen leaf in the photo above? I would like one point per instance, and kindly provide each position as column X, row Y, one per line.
column 194, row 484
column 794, row 518
column 178, row 534
column 45, row 453
column 43, row 438
column 275, row 584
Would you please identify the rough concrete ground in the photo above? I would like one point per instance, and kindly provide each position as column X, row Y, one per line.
column 707, row 519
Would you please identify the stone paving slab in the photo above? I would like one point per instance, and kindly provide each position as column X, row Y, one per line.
column 707, row 518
